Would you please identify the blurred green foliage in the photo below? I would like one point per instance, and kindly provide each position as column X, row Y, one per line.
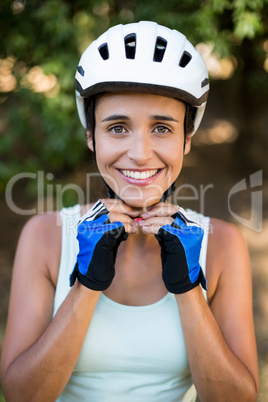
column 41, row 42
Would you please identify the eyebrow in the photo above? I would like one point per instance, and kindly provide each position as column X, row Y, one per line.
column 115, row 117
column 153, row 117
column 164, row 118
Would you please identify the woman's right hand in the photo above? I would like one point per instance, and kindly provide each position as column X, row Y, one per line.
column 99, row 234
column 119, row 211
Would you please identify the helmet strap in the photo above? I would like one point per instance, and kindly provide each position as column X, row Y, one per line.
column 111, row 194
column 168, row 192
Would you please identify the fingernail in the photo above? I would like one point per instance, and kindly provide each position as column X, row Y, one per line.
column 135, row 213
column 145, row 215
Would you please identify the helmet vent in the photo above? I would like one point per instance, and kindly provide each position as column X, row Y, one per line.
column 160, row 48
column 185, row 59
column 81, row 70
column 130, row 45
column 204, row 83
column 104, row 51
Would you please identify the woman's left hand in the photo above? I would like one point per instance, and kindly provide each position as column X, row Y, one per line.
column 180, row 240
column 159, row 215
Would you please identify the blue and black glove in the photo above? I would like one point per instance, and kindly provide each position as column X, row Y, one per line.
column 180, row 250
column 98, row 240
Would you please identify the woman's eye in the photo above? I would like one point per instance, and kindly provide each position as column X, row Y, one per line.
column 161, row 129
column 118, row 130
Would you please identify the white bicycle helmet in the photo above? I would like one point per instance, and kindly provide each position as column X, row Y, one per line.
column 143, row 57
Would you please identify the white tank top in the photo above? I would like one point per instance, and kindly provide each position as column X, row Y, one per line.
column 130, row 353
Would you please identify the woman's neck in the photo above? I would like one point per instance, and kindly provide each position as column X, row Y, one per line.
column 141, row 240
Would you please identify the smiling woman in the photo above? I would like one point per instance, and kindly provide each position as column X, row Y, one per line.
column 139, row 144
column 145, row 301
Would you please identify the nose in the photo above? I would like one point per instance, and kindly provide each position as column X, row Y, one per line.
column 140, row 149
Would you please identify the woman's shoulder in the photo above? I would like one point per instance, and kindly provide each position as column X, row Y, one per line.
column 226, row 250
column 42, row 229
column 42, row 234
column 224, row 235
column 46, row 228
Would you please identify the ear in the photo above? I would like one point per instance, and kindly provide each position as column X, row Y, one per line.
column 188, row 142
column 90, row 140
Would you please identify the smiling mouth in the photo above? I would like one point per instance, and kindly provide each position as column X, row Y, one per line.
column 137, row 175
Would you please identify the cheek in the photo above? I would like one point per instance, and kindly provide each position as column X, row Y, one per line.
column 174, row 156
column 105, row 153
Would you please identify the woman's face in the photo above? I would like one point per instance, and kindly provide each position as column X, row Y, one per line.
column 139, row 144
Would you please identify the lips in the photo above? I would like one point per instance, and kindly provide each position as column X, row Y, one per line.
column 141, row 178
column 139, row 175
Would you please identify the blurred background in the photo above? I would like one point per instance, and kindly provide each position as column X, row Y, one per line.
column 43, row 155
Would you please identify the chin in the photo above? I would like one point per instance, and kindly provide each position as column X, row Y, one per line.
column 141, row 202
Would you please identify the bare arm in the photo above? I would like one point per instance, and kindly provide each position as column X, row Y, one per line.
column 39, row 353
column 38, row 350
column 219, row 338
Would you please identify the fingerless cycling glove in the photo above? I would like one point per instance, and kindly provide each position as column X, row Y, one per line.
column 180, row 250
column 98, row 240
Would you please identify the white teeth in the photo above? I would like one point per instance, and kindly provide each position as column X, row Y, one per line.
column 139, row 175
column 143, row 175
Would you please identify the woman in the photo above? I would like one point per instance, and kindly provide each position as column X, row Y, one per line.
column 159, row 306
